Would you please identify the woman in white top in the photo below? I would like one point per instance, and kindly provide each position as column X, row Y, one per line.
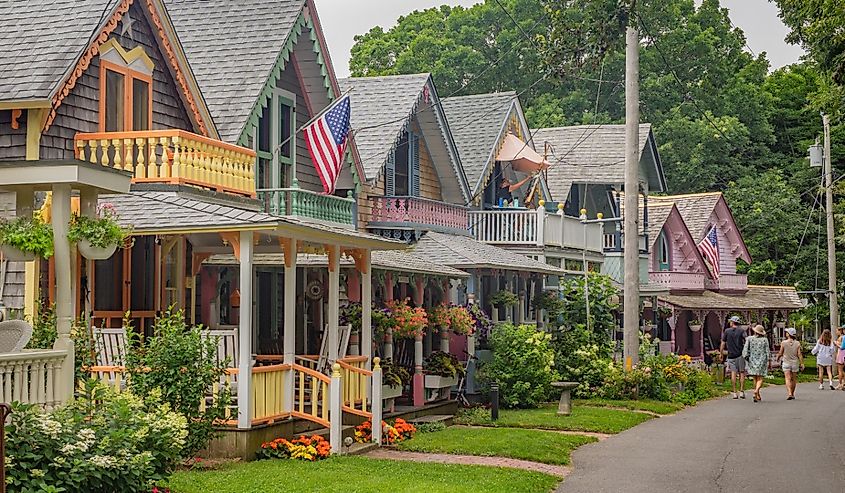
column 792, row 361
column 825, row 352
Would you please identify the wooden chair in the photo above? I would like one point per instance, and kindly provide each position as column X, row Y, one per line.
column 109, row 354
column 227, row 350
column 324, row 363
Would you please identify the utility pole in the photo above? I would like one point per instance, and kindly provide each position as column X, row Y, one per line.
column 631, row 318
column 831, row 246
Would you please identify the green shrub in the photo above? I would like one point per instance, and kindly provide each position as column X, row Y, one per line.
column 44, row 334
column 522, row 365
column 663, row 378
column 28, row 234
column 582, row 356
column 476, row 415
column 430, row 427
column 102, row 442
column 182, row 365
column 43, row 324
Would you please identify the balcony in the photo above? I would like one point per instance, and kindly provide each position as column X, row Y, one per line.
column 728, row 282
column 678, row 281
column 305, row 203
column 615, row 242
column 417, row 213
column 172, row 156
column 534, row 227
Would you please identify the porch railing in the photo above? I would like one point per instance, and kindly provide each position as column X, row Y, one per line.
column 311, row 395
column 32, row 377
column 615, row 242
column 417, row 212
column 172, row 156
column 728, row 282
column 356, row 379
column 685, row 281
column 535, row 227
column 268, row 393
column 305, row 203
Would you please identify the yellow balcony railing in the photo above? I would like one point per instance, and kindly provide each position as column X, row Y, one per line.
column 172, row 156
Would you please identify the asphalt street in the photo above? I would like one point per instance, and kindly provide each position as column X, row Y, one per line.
column 725, row 445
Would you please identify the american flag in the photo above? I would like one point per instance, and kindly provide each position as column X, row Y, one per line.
column 709, row 248
column 326, row 140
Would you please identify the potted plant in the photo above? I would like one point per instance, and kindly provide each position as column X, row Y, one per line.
column 25, row 238
column 780, row 322
column 393, row 379
column 407, row 322
column 439, row 319
column 694, row 325
column 97, row 237
column 442, row 370
column 664, row 313
column 504, row 299
column 461, row 321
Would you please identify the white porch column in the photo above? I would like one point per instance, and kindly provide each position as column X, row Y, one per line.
column 367, row 308
column 64, row 303
column 245, row 333
column 334, row 298
column 289, row 336
column 88, row 208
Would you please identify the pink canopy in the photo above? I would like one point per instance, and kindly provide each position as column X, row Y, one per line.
column 522, row 157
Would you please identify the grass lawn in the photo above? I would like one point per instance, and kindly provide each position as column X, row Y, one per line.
column 582, row 419
column 538, row 446
column 657, row 407
column 350, row 474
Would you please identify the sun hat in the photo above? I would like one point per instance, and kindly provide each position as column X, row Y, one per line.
column 735, row 319
column 758, row 329
column 791, row 331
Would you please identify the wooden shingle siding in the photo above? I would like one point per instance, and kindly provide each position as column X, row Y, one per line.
column 429, row 182
column 12, row 142
column 13, row 282
column 79, row 111
column 305, row 172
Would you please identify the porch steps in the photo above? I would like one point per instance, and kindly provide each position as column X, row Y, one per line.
column 446, row 419
column 360, row 448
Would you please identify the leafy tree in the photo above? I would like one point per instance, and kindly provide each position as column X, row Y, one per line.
column 818, row 26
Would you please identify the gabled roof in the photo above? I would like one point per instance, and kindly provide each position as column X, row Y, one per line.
column 697, row 209
column 40, row 39
column 595, row 154
column 461, row 252
column 232, row 45
column 756, row 298
column 478, row 123
column 47, row 45
column 383, row 107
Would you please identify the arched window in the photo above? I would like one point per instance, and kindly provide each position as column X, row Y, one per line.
column 663, row 255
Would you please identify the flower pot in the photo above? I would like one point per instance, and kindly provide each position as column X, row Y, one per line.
column 388, row 392
column 91, row 252
column 780, row 325
column 695, row 327
column 16, row 255
column 440, row 382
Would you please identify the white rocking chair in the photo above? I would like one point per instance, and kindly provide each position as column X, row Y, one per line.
column 109, row 354
column 324, row 363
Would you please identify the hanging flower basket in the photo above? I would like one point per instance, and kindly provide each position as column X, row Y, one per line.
column 15, row 254
column 91, row 252
column 780, row 324
column 695, row 325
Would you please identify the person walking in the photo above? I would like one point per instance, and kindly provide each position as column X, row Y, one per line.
column 840, row 356
column 825, row 352
column 756, row 353
column 733, row 340
column 792, row 361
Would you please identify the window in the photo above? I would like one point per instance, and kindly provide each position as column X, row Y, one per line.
column 401, row 171
column 125, row 98
column 663, row 259
column 286, row 118
column 276, row 142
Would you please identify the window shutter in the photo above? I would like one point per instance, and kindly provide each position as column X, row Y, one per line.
column 389, row 175
column 414, row 158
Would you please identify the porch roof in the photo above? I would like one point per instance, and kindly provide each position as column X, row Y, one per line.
column 152, row 212
column 394, row 261
column 463, row 252
column 756, row 298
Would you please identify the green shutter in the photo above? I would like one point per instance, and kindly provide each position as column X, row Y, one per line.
column 414, row 160
column 389, row 175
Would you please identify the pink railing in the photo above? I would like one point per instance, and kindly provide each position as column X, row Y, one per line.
column 397, row 211
column 728, row 282
column 678, row 280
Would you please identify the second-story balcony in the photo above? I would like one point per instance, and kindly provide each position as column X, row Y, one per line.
column 728, row 282
column 172, row 156
column 299, row 202
column 391, row 212
column 678, row 281
column 615, row 242
column 534, row 227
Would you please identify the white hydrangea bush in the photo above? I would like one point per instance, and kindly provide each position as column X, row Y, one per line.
column 103, row 442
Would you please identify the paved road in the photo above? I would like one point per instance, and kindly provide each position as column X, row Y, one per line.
column 725, row 445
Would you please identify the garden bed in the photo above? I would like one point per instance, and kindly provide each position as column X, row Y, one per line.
column 647, row 405
column 361, row 475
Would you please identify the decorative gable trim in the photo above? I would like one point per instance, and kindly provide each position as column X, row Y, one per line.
column 727, row 223
column 129, row 58
column 102, row 38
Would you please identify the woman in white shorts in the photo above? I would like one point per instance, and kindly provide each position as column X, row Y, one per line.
column 792, row 361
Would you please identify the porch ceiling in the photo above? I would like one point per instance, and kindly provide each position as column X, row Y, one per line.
column 756, row 298
column 80, row 175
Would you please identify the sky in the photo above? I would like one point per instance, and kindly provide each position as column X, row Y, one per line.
column 343, row 19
